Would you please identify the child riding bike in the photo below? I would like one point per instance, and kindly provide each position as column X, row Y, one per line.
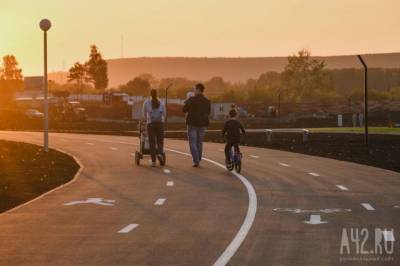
column 232, row 129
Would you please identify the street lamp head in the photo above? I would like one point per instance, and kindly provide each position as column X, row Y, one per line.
column 45, row 24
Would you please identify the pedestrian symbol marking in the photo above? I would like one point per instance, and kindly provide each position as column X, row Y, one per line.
column 297, row 210
column 97, row 201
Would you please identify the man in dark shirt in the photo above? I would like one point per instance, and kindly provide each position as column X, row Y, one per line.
column 198, row 110
column 232, row 130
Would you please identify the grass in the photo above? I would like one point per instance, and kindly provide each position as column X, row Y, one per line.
column 357, row 129
column 26, row 171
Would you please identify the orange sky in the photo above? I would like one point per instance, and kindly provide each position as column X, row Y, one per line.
column 227, row 28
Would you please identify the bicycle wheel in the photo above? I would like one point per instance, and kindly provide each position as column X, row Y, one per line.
column 238, row 166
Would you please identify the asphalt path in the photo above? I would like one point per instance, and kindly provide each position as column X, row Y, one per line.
column 284, row 209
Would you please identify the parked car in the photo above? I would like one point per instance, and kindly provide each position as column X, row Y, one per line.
column 34, row 114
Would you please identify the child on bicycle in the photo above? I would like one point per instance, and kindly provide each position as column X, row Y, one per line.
column 232, row 129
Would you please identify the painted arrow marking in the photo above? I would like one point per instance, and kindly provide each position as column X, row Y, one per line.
column 315, row 219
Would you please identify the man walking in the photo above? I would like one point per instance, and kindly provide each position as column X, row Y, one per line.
column 198, row 109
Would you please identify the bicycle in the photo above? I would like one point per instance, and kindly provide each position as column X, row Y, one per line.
column 236, row 161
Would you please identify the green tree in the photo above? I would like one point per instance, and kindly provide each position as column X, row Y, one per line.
column 304, row 77
column 97, row 69
column 10, row 69
column 11, row 79
column 77, row 73
column 136, row 87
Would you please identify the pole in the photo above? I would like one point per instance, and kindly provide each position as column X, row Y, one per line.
column 166, row 106
column 46, row 104
column 279, row 108
column 365, row 99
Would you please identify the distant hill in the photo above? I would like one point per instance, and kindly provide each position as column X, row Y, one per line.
column 230, row 69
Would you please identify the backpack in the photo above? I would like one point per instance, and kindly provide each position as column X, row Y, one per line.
column 156, row 115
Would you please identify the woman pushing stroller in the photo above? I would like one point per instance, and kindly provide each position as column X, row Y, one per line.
column 154, row 114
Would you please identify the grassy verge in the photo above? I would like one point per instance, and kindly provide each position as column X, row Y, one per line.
column 26, row 172
column 357, row 130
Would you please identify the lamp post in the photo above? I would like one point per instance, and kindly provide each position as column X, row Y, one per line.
column 166, row 105
column 365, row 99
column 279, row 108
column 45, row 25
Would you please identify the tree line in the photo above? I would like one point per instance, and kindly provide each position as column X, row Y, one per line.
column 304, row 79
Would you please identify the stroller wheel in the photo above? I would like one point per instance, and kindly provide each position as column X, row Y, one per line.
column 137, row 158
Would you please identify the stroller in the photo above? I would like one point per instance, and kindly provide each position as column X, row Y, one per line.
column 145, row 145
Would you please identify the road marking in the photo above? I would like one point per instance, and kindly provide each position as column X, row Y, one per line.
column 315, row 219
column 313, row 174
column 396, row 206
column 97, row 201
column 113, row 148
column 254, row 156
column 160, row 201
column 388, row 236
column 368, row 206
column 170, row 183
column 250, row 215
column 167, row 171
column 342, row 187
column 297, row 210
column 128, row 228
column 89, row 143
column 221, row 150
column 248, row 221
column 284, row 164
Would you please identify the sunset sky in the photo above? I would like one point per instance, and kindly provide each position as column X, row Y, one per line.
column 211, row 28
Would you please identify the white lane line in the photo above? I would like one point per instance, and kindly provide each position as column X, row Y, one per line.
column 313, row 174
column 167, row 171
column 248, row 221
column 113, row 148
column 284, row 164
column 368, row 206
column 128, row 228
column 388, row 236
column 170, row 183
column 342, row 187
column 254, row 156
column 89, row 143
column 250, row 215
column 160, row 201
